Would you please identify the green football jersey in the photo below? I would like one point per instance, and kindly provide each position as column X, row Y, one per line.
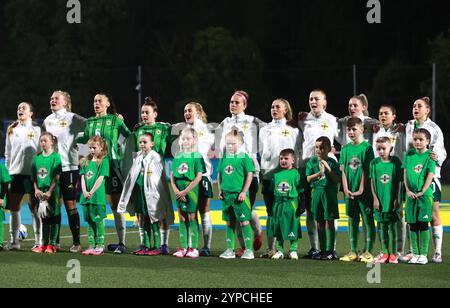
column 45, row 169
column 233, row 171
column 418, row 166
column 109, row 127
column 356, row 160
column 286, row 183
column 386, row 176
column 91, row 173
column 161, row 136
column 4, row 177
column 325, row 182
column 185, row 166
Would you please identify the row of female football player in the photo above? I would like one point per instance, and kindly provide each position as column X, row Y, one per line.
column 138, row 186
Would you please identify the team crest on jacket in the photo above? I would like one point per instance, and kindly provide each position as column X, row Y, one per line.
column 89, row 174
column 42, row 173
column 283, row 187
column 285, row 133
column 183, row 169
column 108, row 123
column 229, row 170
column 324, row 127
column 158, row 132
column 418, row 169
column 31, row 135
column 385, row 179
column 63, row 124
column 354, row 163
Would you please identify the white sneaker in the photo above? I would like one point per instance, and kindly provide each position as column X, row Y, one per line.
column 75, row 249
column 192, row 253
column 423, row 260
column 406, row 258
column 414, row 259
column 437, row 258
column 180, row 253
column 12, row 247
column 248, row 254
column 278, row 255
column 228, row 254
column 293, row 255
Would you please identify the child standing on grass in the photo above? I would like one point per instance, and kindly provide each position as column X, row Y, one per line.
column 235, row 175
column 324, row 175
column 5, row 179
column 144, row 184
column 386, row 176
column 187, row 172
column 355, row 159
column 94, row 171
column 285, row 223
column 418, row 175
column 46, row 170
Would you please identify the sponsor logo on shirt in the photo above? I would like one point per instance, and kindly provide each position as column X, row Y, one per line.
column 385, row 179
column 291, row 234
column 183, row 169
column 42, row 173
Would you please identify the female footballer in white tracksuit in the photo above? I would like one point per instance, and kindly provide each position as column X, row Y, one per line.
column 22, row 144
column 358, row 108
column 196, row 118
column 275, row 137
column 313, row 125
column 421, row 112
column 65, row 126
column 249, row 126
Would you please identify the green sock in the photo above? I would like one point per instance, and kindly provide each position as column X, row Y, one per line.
column 100, row 236
column 147, row 235
column 280, row 247
column 248, row 236
column 370, row 232
column 393, row 238
column 91, row 234
column 2, row 232
column 144, row 236
column 193, row 230
column 46, row 233
column 425, row 237
column 294, row 245
column 353, row 227
column 156, row 235
column 331, row 238
column 322, row 239
column 183, row 235
column 384, row 237
column 231, row 238
column 414, row 238
column 54, row 233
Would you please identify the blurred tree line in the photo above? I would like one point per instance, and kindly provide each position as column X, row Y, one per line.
column 202, row 50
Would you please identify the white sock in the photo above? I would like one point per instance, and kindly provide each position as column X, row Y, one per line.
column 37, row 227
column 336, row 228
column 141, row 235
column 165, row 233
column 438, row 235
column 256, row 224
column 121, row 226
column 312, row 233
column 207, row 229
column 14, row 224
